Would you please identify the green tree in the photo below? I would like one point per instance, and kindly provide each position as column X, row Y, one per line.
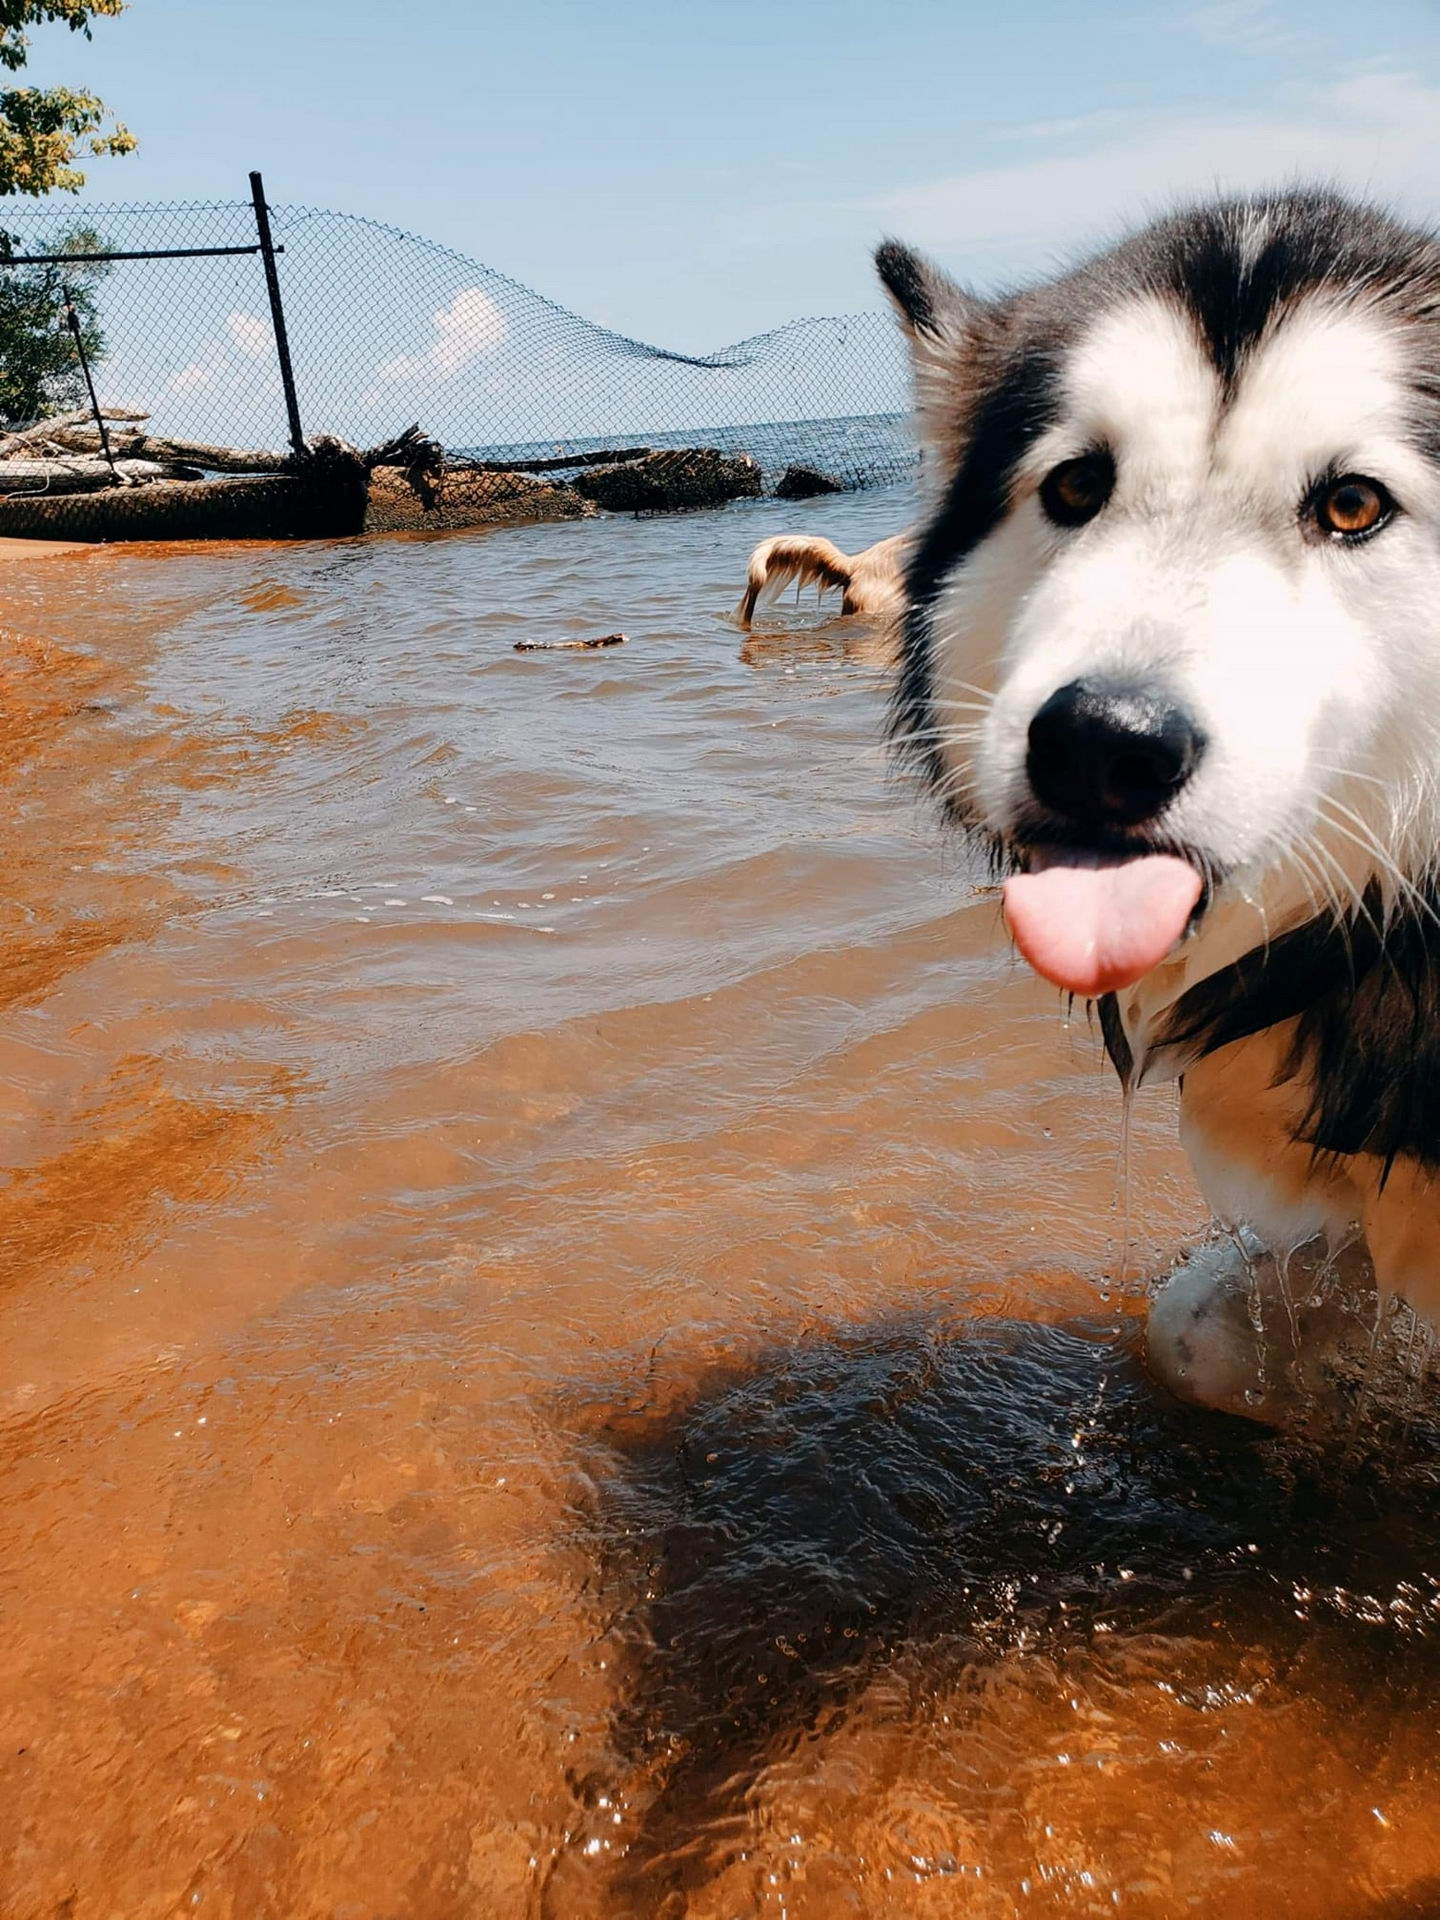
column 40, row 370
column 44, row 130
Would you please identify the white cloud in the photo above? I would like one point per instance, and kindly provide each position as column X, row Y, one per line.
column 247, row 337
column 249, row 333
column 1374, row 130
column 471, row 326
column 190, row 378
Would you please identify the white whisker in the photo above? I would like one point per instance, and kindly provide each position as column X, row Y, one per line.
column 1367, row 843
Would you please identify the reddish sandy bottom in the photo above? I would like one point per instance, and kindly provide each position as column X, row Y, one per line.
column 559, row 1354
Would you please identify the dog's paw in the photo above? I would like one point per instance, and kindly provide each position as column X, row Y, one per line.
column 1237, row 1330
column 1204, row 1338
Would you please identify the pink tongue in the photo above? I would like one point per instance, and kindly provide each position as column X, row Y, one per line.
column 1096, row 927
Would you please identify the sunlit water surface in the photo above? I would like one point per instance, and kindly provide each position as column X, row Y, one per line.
column 560, row 1349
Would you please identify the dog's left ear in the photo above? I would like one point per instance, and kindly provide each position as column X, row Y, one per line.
column 944, row 325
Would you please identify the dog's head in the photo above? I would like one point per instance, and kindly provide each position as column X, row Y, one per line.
column 1173, row 634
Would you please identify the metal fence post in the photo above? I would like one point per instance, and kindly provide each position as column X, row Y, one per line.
column 277, row 312
column 71, row 319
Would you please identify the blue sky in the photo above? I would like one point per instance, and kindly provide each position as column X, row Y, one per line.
column 691, row 174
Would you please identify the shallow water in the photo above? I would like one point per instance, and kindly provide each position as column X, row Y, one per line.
column 560, row 1355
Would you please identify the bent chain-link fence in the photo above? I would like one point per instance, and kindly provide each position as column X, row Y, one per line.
column 387, row 330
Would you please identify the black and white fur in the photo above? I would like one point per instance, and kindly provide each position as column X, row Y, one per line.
column 1228, row 361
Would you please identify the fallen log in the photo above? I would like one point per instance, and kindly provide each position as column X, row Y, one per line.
column 323, row 500
column 412, row 450
column 59, row 423
column 42, row 450
column 610, row 457
column 193, row 453
column 87, row 476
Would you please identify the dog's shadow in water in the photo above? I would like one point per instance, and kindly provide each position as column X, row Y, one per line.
column 768, row 1548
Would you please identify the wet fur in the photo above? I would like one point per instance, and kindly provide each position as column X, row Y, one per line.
column 871, row 581
column 1303, row 1011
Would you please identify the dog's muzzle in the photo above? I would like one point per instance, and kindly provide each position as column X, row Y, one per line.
column 1103, row 900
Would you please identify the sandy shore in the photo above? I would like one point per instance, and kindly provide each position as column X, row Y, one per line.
column 12, row 549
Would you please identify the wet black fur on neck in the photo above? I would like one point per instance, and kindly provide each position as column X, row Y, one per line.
column 1366, row 994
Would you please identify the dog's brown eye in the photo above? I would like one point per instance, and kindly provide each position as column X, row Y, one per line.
column 1352, row 506
column 1076, row 490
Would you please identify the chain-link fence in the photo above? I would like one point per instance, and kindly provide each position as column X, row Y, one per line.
column 385, row 331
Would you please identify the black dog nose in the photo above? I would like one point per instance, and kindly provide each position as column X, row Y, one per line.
column 1104, row 754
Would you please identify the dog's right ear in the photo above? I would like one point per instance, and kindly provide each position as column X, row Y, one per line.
column 932, row 309
column 944, row 324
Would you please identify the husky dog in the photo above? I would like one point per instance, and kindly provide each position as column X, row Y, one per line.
column 871, row 582
column 1172, row 652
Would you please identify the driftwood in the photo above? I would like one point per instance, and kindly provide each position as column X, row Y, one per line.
column 610, row 458
column 570, row 646
column 86, row 476
column 420, row 460
column 411, row 448
column 59, row 424
column 192, row 453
